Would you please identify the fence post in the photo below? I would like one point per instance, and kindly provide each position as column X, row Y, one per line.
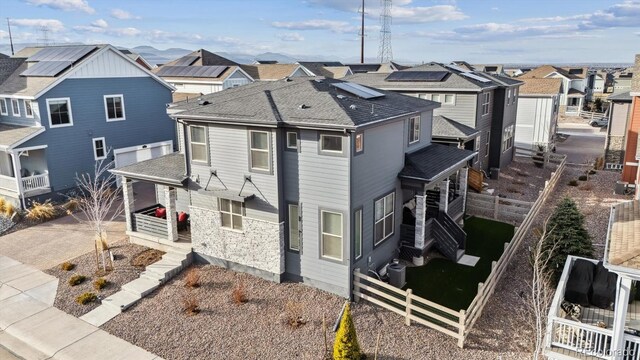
column 407, row 318
column 356, row 288
column 496, row 203
column 461, row 329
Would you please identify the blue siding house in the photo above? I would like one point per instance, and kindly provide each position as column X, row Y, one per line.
column 64, row 107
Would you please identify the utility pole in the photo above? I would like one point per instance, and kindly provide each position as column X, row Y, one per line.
column 362, row 36
column 10, row 37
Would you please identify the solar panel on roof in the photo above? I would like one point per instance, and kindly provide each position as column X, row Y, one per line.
column 62, row 53
column 491, row 68
column 426, row 76
column 46, row 68
column 186, row 60
column 457, row 68
column 575, row 71
column 476, row 77
column 358, row 90
column 191, row 71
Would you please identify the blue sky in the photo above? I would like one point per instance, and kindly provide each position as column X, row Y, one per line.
column 478, row 31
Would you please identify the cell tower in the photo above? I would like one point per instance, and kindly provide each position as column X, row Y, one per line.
column 384, row 51
column 44, row 36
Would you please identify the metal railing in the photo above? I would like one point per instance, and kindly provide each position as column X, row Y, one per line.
column 35, row 182
column 145, row 221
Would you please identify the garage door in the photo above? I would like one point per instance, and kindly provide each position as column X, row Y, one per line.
column 131, row 155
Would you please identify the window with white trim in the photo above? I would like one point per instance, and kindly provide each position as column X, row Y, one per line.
column 28, row 109
column 449, row 99
column 259, row 150
column 487, row 143
column 435, row 97
column 359, row 142
column 59, row 112
column 384, row 218
column 331, row 143
column 231, row 214
column 507, row 138
column 99, row 149
column 357, row 234
column 414, row 129
column 15, row 107
column 114, row 107
column 292, row 140
column 331, row 235
column 294, row 228
column 486, row 103
column 3, row 107
column 198, row 143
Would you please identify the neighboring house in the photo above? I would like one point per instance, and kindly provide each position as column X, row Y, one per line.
column 574, row 85
column 138, row 58
column 328, row 69
column 202, row 72
column 630, row 170
column 304, row 179
column 494, row 69
column 64, row 107
column 622, row 82
column 384, row 68
column 538, row 108
column 481, row 101
column 614, row 147
column 594, row 313
column 273, row 72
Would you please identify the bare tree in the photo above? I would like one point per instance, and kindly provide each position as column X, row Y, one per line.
column 99, row 203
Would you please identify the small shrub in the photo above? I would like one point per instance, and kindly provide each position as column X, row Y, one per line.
column 598, row 164
column 190, row 303
column 573, row 182
column 86, row 298
column 9, row 209
column 238, row 294
column 3, row 203
column 67, row 266
column 71, row 205
column 41, row 211
column 346, row 345
column 293, row 314
column 192, row 279
column 100, row 283
column 592, row 172
column 582, row 178
column 76, row 279
column 586, row 187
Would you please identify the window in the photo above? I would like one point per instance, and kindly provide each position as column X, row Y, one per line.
column 294, row 228
column 198, row 143
column 99, row 149
column 259, row 149
column 359, row 142
column 3, row 107
column 28, row 108
column 114, row 107
column 331, row 143
column 449, row 99
column 292, row 140
column 425, row 96
column 414, row 129
column 357, row 234
column 15, row 107
column 486, row 100
column 231, row 213
column 435, row 97
column 486, row 145
column 331, row 236
column 384, row 220
column 477, row 148
column 507, row 138
column 60, row 112
column 509, row 97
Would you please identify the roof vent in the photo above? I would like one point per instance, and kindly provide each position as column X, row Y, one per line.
column 288, row 79
column 353, row 107
column 303, row 106
column 340, row 96
column 203, row 102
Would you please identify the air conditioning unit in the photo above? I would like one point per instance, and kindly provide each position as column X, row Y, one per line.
column 621, row 187
column 397, row 275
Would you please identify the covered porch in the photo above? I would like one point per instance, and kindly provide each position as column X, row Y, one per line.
column 434, row 183
column 575, row 101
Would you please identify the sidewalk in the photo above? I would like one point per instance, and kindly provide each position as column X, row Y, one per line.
column 31, row 328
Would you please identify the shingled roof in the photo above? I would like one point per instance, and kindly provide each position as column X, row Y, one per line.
column 202, row 57
column 446, row 128
column 428, row 163
column 623, row 96
column 8, row 66
column 167, row 169
column 545, row 70
column 623, row 244
column 270, row 72
column 304, row 101
column 541, row 86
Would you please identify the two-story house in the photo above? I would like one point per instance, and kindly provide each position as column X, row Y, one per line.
column 538, row 109
column 574, row 85
column 619, row 114
column 484, row 102
column 62, row 108
column 304, row 179
column 631, row 168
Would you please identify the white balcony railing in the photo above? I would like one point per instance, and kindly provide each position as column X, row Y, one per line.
column 582, row 338
column 35, row 182
column 573, row 109
column 631, row 347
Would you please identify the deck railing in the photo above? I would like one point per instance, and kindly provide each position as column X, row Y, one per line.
column 455, row 206
column 35, row 182
column 582, row 338
column 145, row 221
column 632, row 346
column 8, row 183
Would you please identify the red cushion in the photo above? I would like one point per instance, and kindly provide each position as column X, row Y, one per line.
column 182, row 217
column 161, row 212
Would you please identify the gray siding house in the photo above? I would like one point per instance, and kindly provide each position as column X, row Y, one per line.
column 619, row 119
column 303, row 179
column 64, row 107
column 484, row 102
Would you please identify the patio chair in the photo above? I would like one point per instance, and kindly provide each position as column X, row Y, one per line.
column 183, row 221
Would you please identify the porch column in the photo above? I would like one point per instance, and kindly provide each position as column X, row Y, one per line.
column 15, row 159
column 128, row 200
column 463, row 179
column 421, row 213
column 619, row 317
column 444, row 195
column 172, row 221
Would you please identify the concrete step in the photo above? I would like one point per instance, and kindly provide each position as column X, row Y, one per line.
column 459, row 254
column 141, row 286
column 184, row 259
column 121, row 300
column 153, row 276
column 167, row 268
column 100, row 315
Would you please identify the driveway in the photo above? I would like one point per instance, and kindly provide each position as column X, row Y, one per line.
column 582, row 143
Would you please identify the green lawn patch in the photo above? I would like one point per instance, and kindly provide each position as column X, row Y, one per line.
column 454, row 286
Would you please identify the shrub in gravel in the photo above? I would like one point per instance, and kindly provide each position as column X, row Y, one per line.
column 592, row 172
column 586, row 187
column 293, row 311
column 86, row 298
column 67, row 266
column 100, row 283
column 76, row 279
column 190, row 302
column 41, row 211
column 582, row 178
column 346, row 345
column 238, row 295
column 192, row 279
column 573, row 182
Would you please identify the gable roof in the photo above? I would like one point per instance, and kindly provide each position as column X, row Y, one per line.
column 167, row 169
column 445, row 128
column 622, row 96
column 3, row 56
column 8, row 66
column 623, row 240
column 270, row 72
column 202, row 57
column 428, row 163
column 329, row 69
column 541, row 86
column 14, row 135
column 546, row 70
column 302, row 101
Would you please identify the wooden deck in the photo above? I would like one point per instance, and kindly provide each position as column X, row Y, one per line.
column 593, row 315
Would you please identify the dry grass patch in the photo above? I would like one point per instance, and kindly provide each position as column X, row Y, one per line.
column 67, row 266
column 190, row 302
column 192, row 279
column 147, row 257
column 293, row 314
column 239, row 295
column 41, row 211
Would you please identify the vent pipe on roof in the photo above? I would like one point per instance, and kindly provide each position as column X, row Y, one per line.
column 203, row 102
column 303, row 106
column 353, row 107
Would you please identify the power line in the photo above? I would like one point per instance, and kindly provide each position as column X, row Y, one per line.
column 384, row 51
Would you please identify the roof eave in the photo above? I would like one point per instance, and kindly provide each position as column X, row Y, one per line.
column 153, row 179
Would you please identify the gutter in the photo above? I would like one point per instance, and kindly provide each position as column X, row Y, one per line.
column 443, row 171
column 153, row 179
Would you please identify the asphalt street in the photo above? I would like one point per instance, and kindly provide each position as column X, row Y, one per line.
column 582, row 144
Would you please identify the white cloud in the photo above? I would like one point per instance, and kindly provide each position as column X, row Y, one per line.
column 102, row 27
column 316, row 24
column 290, row 37
column 123, row 14
column 50, row 24
column 101, row 23
column 65, row 5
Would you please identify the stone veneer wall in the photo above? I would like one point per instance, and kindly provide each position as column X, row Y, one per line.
column 614, row 152
column 260, row 245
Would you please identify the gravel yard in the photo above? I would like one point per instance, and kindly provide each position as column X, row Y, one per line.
column 521, row 180
column 86, row 265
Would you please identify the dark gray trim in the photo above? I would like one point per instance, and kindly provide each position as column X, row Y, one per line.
column 355, row 135
column 394, row 191
column 286, row 140
column 353, row 233
column 207, row 259
column 287, row 239
column 270, row 153
column 330, row 153
column 345, row 219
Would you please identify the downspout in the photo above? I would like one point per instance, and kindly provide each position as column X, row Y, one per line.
column 185, row 148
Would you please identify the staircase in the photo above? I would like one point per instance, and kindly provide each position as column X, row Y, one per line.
column 449, row 236
column 154, row 275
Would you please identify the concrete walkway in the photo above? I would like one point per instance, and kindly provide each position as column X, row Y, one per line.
column 31, row 328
